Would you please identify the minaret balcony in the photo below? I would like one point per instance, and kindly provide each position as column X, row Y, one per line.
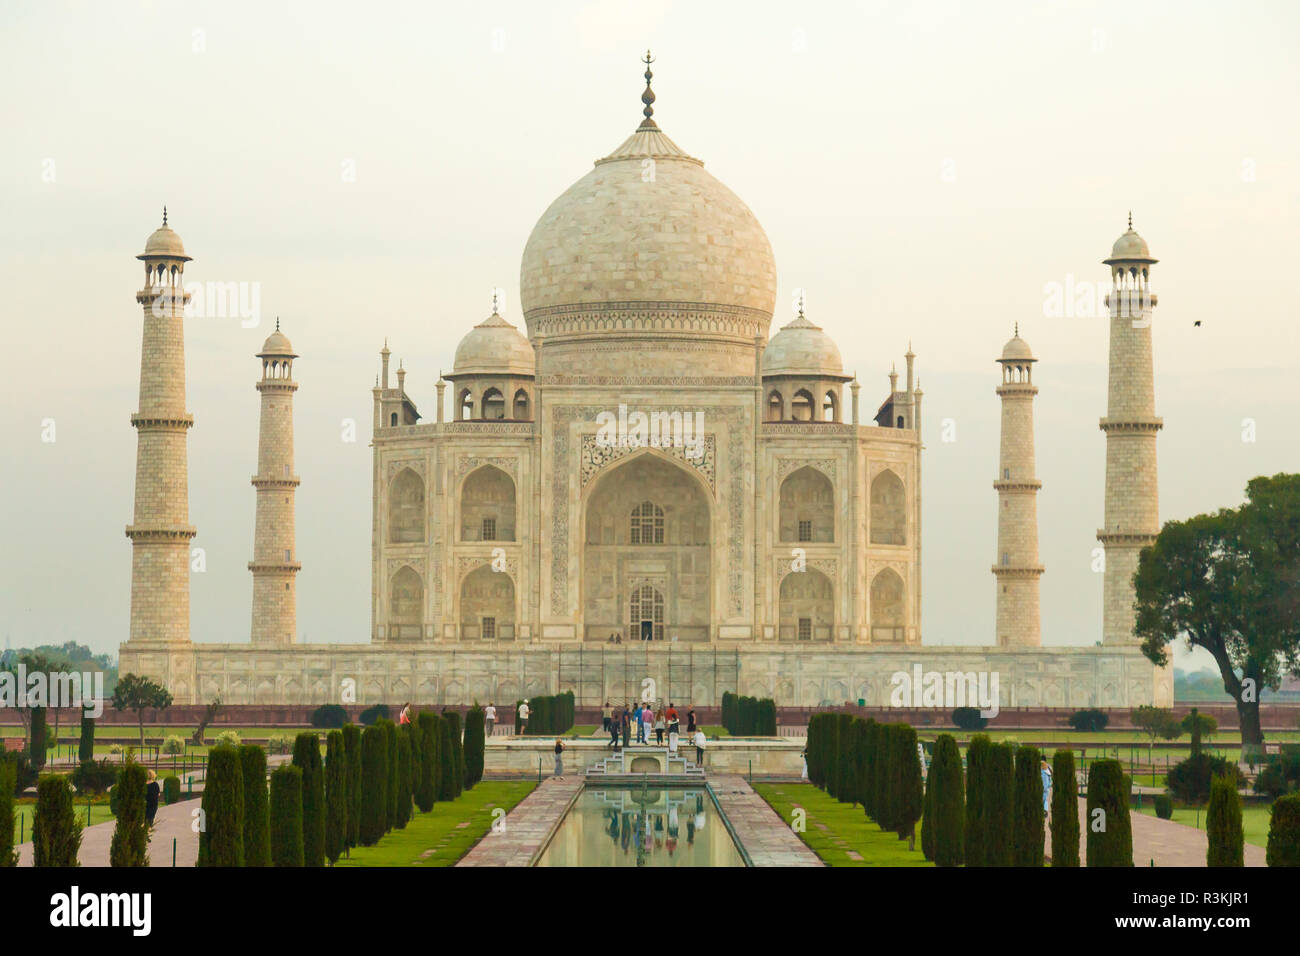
column 1018, row 570
column 1003, row 484
column 1131, row 425
column 1130, row 538
column 290, row 567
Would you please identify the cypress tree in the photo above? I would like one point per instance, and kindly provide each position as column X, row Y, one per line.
column 948, row 806
column 403, row 780
column 257, row 828
column 1284, row 832
column 866, row 766
column 1224, row 835
column 417, row 751
column 286, row 816
column 306, row 757
column 880, row 787
column 374, row 785
column 458, row 745
column 1027, row 848
column 393, row 787
column 974, row 836
column 86, row 747
column 999, row 805
column 426, row 793
column 56, row 831
column 848, row 775
column 8, row 820
column 1065, row 810
column 810, row 744
column 336, row 796
column 1110, row 832
column 352, row 743
column 130, row 845
column 447, row 789
column 906, row 776
column 221, row 842
column 475, row 742
column 36, row 746
column 861, row 730
column 927, row 817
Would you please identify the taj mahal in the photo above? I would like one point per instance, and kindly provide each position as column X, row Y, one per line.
column 646, row 481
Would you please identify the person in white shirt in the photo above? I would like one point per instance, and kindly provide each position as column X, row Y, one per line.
column 521, row 717
column 490, row 718
column 698, row 740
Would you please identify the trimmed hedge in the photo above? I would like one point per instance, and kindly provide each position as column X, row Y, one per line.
column 974, row 836
column 171, row 789
column 999, row 805
column 403, row 779
column 449, row 780
column 881, row 791
column 1110, row 832
column 457, row 747
column 86, row 746
column 426, row 792
column 1284, row 832
column 547, row 716
column 352, row 744
column 374, row 785
column 130, row 845
column 1164, row 806
column 95, row 776
column 56, row 831
column 969, row 718
column 37, row 744
column 1089, row 719
column 905, row 779
column 286, row 816
column 393, row 787
column 306, row 757
column 221, row 841
column 336, row 796
column 948, row 804
column 1028, row 816
column 257, row 827
column 474, row 744
column 749, row 716
column 8, row 819
column 1065, row 810
column 1225, row 838
column 329, row 717
column 373, row 714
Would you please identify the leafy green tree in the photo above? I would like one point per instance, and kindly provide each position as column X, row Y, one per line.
column 1199, row 726
column 8, row 818
column 999, row 805
column 56, row 831
column 374, row 785
column 1284, row 832
column 1155, row 722
column 139, row 694
column 1065, row 810
column 306, row 757
column 130, row 845
column 352, row 744
column 336, row 796
column 221, row 839
column 1110, row 831
column 430, row 733
column 1225, row 838
column 475, row 744
column 976, row 757
column 286, row 816
column 947, row 805
column 257, row 839
column 1028, row 816
column 1227, row 582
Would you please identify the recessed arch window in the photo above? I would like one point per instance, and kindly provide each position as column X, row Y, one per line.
column 494, row 405
column 647, row 524
column 521, row 405
column 801, row 409
column 775, row 407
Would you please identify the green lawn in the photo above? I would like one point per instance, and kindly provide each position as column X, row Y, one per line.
column 1254, row 820
column 26, row 809
column 833, row 829
column 446, row 833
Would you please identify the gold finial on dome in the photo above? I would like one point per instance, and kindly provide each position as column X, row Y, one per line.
column 1130, row 218
column 648, row 97
column 164, row 215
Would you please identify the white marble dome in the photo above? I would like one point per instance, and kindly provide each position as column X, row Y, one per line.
column 277, row 343
column 1017, row 349
column 648, row 228
column 494, row 347
column 1130, row 246
column 164, row 241
column 802, row 348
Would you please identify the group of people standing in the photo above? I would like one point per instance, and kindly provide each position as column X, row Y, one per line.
column 640, row 720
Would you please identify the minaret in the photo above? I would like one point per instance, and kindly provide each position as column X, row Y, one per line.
column 160, row 532
column 275, row 563
column 1132, row 500
column 1017, row 569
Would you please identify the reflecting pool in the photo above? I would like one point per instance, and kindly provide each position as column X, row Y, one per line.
column 633, row 826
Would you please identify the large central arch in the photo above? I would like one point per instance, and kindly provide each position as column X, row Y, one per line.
column 647, row 522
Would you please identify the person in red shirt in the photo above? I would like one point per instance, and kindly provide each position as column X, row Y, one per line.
column 673, row 722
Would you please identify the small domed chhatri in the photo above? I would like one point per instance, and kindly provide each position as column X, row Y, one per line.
column 164, row 242
column 494, row 346
column 277, row 343
column 1017, row 350
column 802, row 348
column 1130, row 247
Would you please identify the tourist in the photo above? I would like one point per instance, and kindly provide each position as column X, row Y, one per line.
column 636, row 722
column 605, row 713
column 673, row 720
column 521, row 717
column 647, row 724
column 559, row 757
column 698, row 740
column 612, row 725
column 672, row 739
column 690, row 721
column 1046, row 773
column 625, row 721
column 803, row 770
column 490, row 718
column 151, row 792
column 660, row 726
column 405, row 716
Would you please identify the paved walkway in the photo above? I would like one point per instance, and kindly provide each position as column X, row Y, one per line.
column 170, row 823
column 767, row 838
column 527, row 826
column 1163, row 841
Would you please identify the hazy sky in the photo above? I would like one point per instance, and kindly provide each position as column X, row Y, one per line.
column 924, row 170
